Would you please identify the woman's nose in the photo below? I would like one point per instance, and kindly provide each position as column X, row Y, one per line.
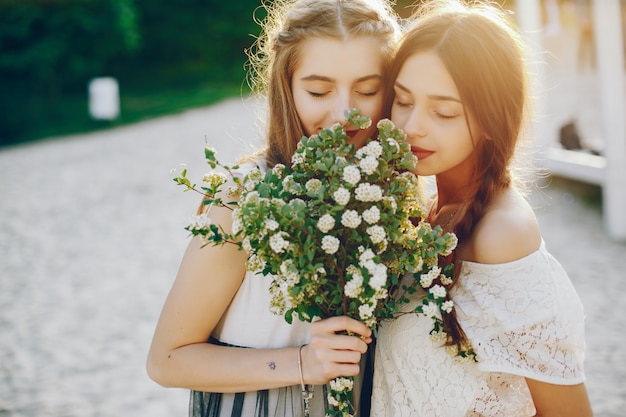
column 415, row 124
column 340, row 105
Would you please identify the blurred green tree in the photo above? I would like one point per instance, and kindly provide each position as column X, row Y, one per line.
column 49, row 47
column 191, row 40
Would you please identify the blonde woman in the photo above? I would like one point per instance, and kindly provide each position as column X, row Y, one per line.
column 216, row 335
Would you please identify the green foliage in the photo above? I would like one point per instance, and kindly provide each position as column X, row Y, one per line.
column 52, row 43
column 167, row 57
column 192, row 37
column 49, row 49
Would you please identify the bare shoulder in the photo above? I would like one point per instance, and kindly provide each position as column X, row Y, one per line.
column 508, row 231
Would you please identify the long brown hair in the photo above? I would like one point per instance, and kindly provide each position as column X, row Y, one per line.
column 483, row 53
column 275, row 55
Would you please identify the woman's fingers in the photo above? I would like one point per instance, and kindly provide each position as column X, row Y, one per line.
column 342, row 324
column 321, row 365
column 335, row 349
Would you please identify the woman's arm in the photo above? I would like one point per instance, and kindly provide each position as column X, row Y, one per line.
column 559, row 400
column 207, row 281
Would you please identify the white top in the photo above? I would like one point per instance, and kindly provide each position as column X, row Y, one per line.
column 524, row 320
column 248, row 321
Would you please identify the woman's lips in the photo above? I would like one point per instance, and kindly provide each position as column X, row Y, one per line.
column 421, row 153
column 352, row 133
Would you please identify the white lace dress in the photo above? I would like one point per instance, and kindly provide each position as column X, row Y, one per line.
column 524, row 320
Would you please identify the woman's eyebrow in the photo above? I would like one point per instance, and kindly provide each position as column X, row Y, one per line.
column 437, row 97
column 315, row 77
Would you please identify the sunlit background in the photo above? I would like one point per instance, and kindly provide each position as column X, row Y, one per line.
column 100, row 98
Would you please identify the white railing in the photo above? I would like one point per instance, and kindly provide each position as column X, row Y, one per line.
column 609, row 170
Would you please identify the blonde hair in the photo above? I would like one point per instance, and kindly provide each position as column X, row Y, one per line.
column 275, row 54
column 484, row 54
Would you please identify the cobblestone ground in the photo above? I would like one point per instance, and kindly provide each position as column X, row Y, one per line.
column 91, row 234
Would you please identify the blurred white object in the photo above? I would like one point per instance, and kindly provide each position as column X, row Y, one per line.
column 553, row 18
column 104, row 98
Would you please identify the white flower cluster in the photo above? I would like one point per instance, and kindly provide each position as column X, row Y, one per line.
column 330, row 244
column 255, row 263
column 326, row 223
column 237, row 223
column 278, row 169
column 351, row 175
column 447, row 306
column 426, row 280
column 254, row 177
column 431, row 309
column 332, row 401
column 438, row 336
column 200, row 221
column 271, row 224
column 313, row 185
column 214, row 178
column 371, row 215
column 372, row 150
column 351, row 219
column 368, row 192
column 341, row 196
column 354, row 287
column 278, row 243
column 201, row 225
column 297, row 158
column 290, row 185
column 438, row 291
column 234, row 192
column 445, row 280
column 289, row 273
column 341, row 384
column 451, row 244
column 366, row 311
column 376, row 233
column 368, row 165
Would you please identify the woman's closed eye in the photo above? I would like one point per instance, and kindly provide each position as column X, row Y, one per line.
column 317, row 94
column 446, row 110
column 402, row 103
column 445, row 116
column 370, row 93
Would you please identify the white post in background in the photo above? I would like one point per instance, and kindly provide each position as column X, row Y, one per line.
column 528, row 14
column 104, row 98
column 610, row 60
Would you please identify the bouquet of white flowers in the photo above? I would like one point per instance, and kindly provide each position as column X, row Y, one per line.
column 336, row 230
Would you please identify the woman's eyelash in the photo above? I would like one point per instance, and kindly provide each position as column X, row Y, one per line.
column 445, row 116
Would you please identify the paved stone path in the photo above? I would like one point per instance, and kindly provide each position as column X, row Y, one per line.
column 91, row 234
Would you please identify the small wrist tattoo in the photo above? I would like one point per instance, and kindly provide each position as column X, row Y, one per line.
column 272, row 365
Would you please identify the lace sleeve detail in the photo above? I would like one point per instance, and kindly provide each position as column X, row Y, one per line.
column 523, row 318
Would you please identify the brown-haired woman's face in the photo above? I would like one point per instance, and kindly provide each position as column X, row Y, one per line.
column 428, row 107
column 333, row 76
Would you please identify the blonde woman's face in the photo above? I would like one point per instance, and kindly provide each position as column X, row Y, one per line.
column 333, row 76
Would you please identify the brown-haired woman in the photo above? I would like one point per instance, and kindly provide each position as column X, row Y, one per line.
column 513, row 343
